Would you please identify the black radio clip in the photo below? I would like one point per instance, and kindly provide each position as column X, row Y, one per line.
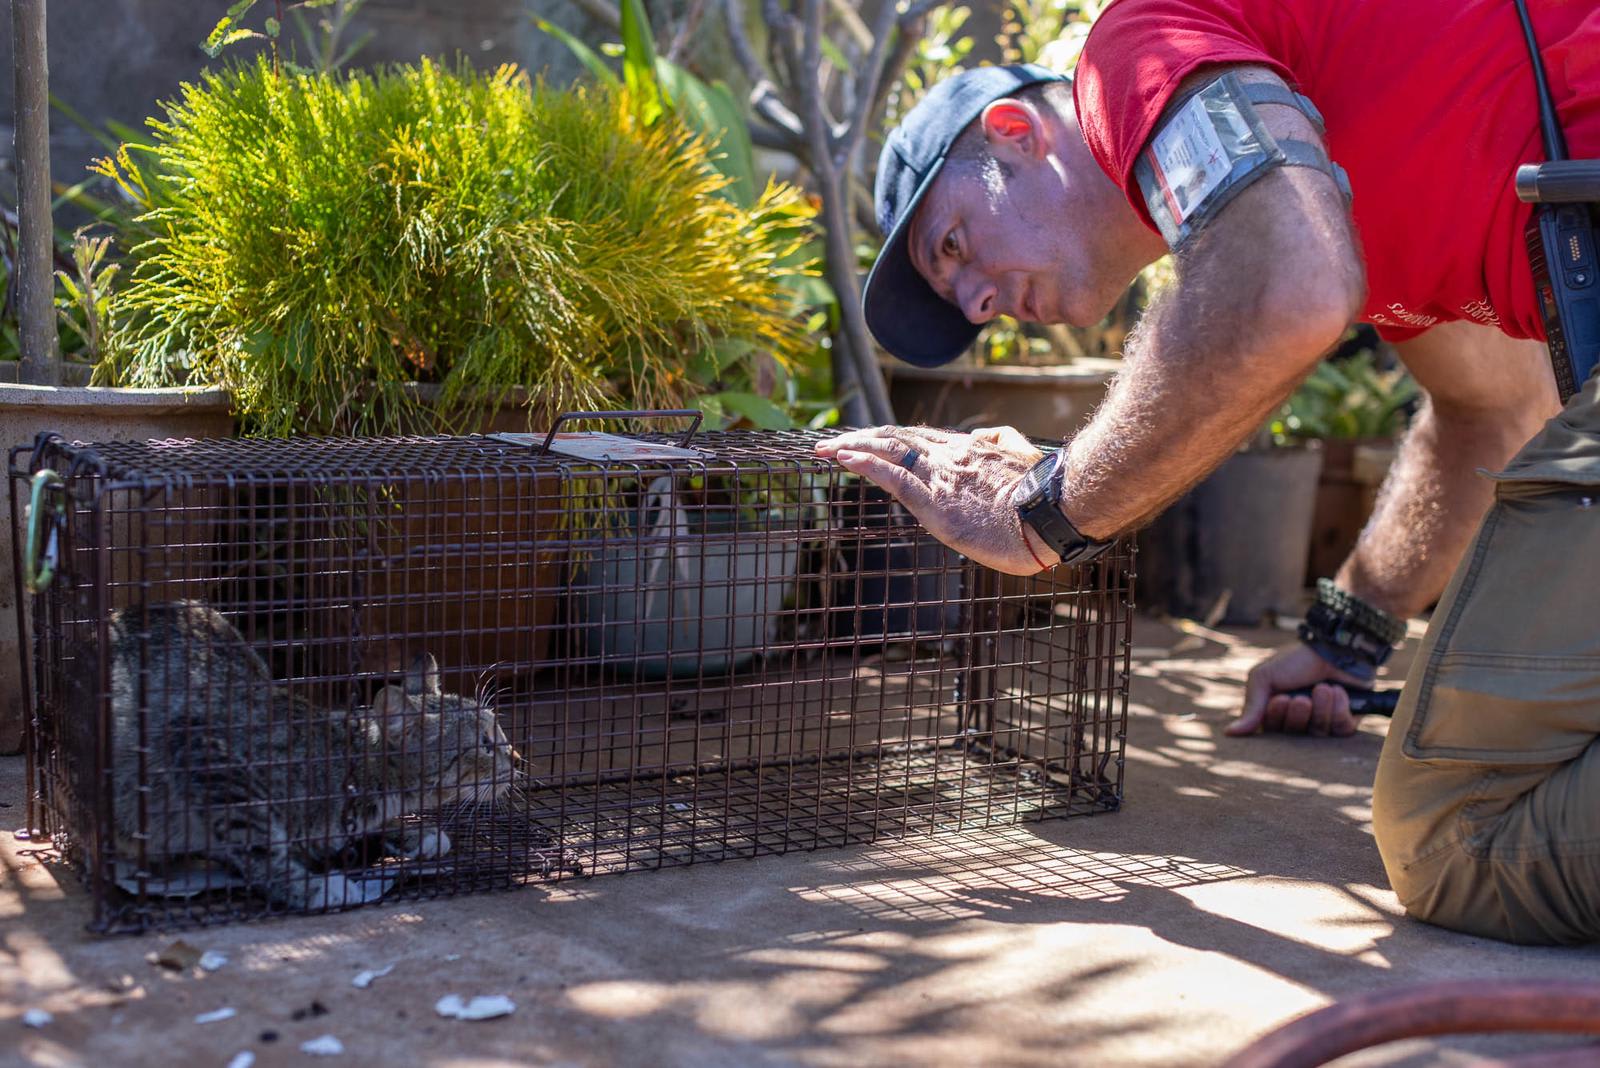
column 1562, row 237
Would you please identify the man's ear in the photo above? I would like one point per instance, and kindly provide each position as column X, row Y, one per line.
column 1015, row 130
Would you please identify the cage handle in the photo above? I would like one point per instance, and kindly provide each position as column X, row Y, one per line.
column 41, row 547
column 660, row 413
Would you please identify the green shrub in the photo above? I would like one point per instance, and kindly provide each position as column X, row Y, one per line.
column 1350, row 398
column 321, row 240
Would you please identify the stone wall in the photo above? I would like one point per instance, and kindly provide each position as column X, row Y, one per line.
column 115, row 59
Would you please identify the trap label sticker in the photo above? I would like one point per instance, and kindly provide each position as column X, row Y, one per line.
column 606, row 448
column 1188, row 159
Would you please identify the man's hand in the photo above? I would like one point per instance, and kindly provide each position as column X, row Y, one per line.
column 1267, row 707
column 959, row 487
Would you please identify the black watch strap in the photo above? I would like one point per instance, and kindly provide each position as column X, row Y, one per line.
column 1038, row 503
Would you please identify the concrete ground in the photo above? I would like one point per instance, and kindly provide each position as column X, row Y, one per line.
column 1237, row 888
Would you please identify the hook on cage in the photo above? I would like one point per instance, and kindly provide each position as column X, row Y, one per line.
column 41, row 549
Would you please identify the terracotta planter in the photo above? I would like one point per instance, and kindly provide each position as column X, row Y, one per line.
column 94, row 414
column 446, row 563
column 1045, row 402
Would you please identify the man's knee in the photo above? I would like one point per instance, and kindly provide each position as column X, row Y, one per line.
column 1473, row 849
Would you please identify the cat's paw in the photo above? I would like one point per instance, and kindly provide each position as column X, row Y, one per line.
column 337, row 892
column 422, row 843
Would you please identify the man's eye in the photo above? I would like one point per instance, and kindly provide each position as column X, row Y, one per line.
column 951, row 246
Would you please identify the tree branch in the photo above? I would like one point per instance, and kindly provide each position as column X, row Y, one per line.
column 602, row 11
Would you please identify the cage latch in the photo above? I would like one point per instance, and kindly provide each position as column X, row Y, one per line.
column 41, row 549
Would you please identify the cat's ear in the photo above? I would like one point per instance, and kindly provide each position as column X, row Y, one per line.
column 391, row 707
column 423, row 678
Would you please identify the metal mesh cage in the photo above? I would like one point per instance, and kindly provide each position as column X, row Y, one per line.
column 289, row 676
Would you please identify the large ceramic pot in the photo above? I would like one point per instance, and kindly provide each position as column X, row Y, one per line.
column 1233, row 549
column 1045, row 402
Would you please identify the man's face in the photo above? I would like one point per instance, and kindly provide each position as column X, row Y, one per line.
column 1017, row 236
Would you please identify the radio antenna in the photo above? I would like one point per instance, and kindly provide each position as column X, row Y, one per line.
column 1555, row 144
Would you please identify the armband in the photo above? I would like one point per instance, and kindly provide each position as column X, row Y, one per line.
column 1211, row 145
column 1349, row 633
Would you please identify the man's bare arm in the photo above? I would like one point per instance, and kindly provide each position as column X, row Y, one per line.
column 1260, row 296
column 1487, row 394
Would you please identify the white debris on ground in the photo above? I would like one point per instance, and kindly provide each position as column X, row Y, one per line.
column 242, row 1059
column 485, row 1007
column 211, row 960
column 323, row 1046
column 365, row 979
column 215, row 1015
column 36, row 1018
column 452, row 956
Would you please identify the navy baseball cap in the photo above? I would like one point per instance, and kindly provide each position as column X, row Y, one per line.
column 904, row 313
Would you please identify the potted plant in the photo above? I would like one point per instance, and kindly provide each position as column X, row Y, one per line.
column 424, row 248
column 1233, row 549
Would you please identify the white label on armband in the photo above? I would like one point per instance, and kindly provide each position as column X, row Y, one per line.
column 1188, row 159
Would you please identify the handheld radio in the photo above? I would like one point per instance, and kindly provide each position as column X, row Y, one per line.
column 1562, row 237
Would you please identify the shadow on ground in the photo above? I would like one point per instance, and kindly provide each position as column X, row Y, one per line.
column 1237, row 889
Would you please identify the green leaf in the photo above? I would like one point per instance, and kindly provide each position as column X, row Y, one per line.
column 639, row 60
column 223, row 33
column 834, row 55
column 759, row 410
column 583, row 52
column 712, row 112
column 272, row 28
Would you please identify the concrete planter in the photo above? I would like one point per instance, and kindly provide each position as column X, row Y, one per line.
column 83, row 414
column 1047, row 402
column 1233, row 549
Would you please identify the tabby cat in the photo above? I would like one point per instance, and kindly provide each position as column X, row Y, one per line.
column 237, row 769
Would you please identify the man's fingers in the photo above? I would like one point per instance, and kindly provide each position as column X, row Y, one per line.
column 1322, row 703
column 887, row 441
column 1297, row 716
column 1342, row 723
column 1257, row 690
column 1277, row 708
column 902, row 485
column 1004, row 436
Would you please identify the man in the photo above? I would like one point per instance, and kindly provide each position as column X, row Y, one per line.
column 1009, row 191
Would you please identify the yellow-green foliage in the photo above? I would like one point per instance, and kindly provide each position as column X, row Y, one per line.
column 316, row 241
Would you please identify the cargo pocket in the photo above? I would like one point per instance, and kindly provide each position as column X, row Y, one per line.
column 1513, row 677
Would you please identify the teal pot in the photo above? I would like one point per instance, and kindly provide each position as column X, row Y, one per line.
column 687, row 587
column 1234, row 548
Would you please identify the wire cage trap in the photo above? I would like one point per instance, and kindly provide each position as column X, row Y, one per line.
column 289, row 676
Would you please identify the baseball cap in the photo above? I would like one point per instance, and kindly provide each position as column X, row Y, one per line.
column 904, row 313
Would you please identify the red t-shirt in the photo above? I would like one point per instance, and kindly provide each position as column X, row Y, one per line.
column 1429, row 106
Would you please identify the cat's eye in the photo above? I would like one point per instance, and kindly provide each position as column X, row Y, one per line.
column 489, row 742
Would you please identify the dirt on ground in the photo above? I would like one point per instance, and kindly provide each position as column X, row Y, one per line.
column 1237, row 888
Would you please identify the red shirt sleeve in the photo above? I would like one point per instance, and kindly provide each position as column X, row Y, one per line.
column 1136, row 55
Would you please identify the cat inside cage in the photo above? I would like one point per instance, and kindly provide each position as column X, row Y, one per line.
column 220, row 771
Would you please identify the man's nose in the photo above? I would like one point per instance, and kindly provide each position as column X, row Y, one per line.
column 976, row 296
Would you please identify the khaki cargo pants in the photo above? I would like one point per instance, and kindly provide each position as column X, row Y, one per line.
column 1487, row 803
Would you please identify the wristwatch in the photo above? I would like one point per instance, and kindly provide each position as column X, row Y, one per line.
column 1037, row 499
